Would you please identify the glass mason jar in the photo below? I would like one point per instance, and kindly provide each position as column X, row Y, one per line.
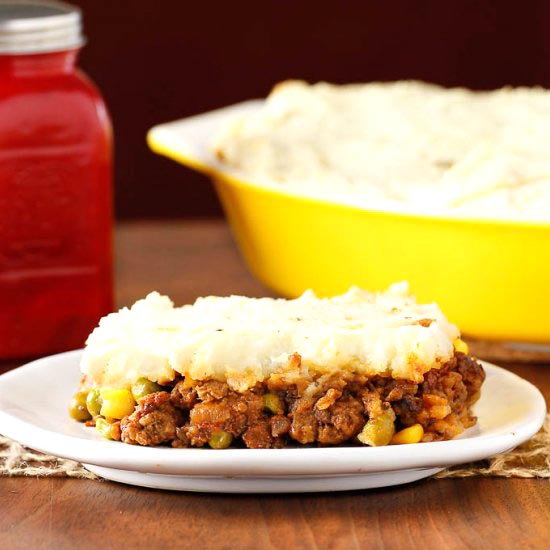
column 55, row 184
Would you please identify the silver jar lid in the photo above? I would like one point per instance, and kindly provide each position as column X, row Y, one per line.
column 36, row 26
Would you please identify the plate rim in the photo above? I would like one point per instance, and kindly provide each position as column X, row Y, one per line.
column 255, row 462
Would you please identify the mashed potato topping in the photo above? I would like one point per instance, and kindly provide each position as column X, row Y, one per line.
column 245, row 340
column 403, row 145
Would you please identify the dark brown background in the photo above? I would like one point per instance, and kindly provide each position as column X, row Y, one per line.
column 160, row 60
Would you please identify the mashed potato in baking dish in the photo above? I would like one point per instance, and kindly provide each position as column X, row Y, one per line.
column 401, row 145
column 243, row 340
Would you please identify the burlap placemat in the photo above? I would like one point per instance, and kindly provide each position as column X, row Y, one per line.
column 532, row 459
column 16, row 460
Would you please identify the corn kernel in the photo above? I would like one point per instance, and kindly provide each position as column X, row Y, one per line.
column 117, row 403
column 379, row 430
column 461, row 346
column 412, row 434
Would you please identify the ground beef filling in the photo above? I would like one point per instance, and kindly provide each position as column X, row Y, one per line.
column 330, row 410
column 154, row 421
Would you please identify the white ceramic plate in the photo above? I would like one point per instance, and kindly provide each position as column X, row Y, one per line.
column 33, row 411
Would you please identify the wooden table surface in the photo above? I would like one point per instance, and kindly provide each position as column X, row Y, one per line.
column 189, row 259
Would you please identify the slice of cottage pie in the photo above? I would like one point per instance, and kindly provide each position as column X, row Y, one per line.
column 360, row 368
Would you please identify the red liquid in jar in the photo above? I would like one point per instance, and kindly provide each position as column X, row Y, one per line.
column 55, row 205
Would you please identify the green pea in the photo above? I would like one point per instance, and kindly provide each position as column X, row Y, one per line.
column 272, row 402
column 77, row 407
column 143, row 386
column 94, row 402
column 103, row 427
column 220, row 440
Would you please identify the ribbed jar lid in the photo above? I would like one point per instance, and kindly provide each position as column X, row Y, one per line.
column 39, row 26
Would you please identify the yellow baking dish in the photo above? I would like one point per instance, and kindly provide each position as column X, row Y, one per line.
column 492, row 278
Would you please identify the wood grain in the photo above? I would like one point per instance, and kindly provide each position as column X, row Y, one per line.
column 185, row 260
column 472, row 513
